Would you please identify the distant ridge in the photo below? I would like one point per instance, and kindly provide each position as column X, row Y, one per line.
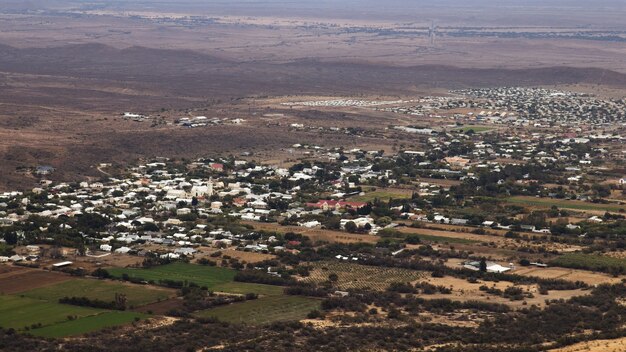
column 190, row 72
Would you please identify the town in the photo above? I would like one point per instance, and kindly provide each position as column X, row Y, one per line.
column 491, row 211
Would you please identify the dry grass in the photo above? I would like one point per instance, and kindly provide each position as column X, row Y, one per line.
column 617, row 345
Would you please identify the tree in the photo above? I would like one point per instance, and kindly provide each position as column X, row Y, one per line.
column 412, row 239
column 483, row 265
column 11, row 238
column 82, row 249
column 333, row 277
column 351, row 226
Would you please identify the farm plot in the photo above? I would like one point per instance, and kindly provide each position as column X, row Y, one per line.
column 591, row 262
column 316, row 234
column 565, row 204
column 24, row 279
column 101, row 290
column 20, row 313
column 264, row 310
column 585, row 276
column 355, row 276
column 448, row 236
column 214, row 278
column 87, row 324
column 384, row 195
column 198, row 274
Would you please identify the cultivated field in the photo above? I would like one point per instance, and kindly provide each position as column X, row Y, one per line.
column 564, row 204
column 316, row 234
column 248, row 257
column 360, row 276
column 87, row 324
column 590, row 262
column 18, row 279
column 101, row 290
column 214, row 278
column 449, row 236
column 383, row 194
column 588, row 277
column 20, row 313
column 264, row 310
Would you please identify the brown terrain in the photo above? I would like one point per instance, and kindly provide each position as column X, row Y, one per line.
column 69, row 69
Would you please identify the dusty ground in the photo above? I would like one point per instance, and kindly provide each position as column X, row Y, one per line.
column 588, row 277
column 462, row 290
column 617, row 345
column 66, row 76
column 316, row 234
column 248, row 257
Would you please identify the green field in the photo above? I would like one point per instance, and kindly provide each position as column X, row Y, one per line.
column 87, row 324
column 99, row 289
column 565, row 204
column 214, row 278
column 590, row 262
column 244, row 287
column 383, row 195
column 18, row 312
column 264, row 310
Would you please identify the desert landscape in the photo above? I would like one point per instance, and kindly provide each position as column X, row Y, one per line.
column 353, row 175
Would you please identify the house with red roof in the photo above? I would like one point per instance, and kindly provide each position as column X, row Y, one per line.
column 335, row 205
column 217, row 166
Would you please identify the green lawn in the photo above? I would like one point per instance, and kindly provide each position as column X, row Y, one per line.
column 214, row 278
column 18, row 312
column 565, row 204
column 87, row 324
column 264, row 310
column 99, row 289
column 590, row 262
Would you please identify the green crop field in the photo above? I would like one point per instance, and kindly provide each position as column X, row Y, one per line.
column 102, row 290
column 264, row 310
column 19, row 312
column 244, row 287
column 214, row 278
column 563, row 203
column 208, row 276
column 590, row 262
column 87, row 324
column 360, row 276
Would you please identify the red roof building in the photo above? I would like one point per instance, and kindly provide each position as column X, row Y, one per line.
column 216, row 166
column 336, row 204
